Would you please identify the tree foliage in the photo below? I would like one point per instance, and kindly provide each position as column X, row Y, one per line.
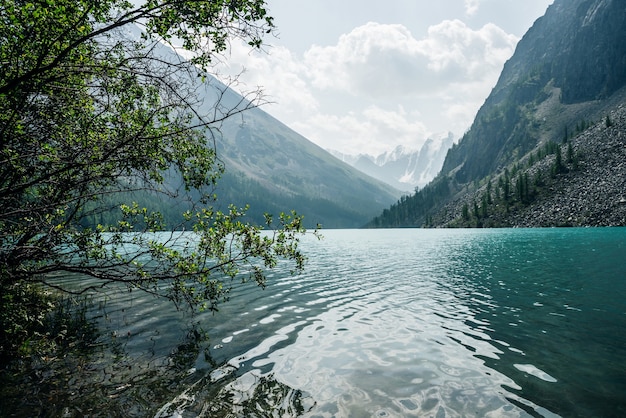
column 93, row 112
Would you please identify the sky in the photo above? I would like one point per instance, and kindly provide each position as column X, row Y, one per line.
column 364, row 76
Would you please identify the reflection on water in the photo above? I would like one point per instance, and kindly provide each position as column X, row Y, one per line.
column 249, row 395
column 395, row 323
column 386, row 342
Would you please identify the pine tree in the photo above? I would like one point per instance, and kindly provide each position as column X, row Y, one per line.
column 465, row 212
column 570, row 154
column 558, row 167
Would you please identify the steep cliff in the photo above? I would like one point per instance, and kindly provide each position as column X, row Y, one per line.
column 575, row 54
column 551, row 127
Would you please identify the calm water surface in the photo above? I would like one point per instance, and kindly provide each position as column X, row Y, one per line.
column 392, row 323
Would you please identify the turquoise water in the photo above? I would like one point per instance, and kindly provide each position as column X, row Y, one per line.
column 388, row 323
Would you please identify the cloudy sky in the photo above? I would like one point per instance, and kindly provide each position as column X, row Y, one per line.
column 363, row 76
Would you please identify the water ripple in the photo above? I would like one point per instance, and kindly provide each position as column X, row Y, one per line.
column 413, row 323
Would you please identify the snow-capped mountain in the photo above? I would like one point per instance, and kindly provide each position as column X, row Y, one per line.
column 403, row 168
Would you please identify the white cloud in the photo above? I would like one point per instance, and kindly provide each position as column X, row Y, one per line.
column 277, row 72
column 372, row 130
column 378, row 61
column 379, row 86
column 472, row 6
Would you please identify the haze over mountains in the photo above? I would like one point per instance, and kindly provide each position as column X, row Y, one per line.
column 274, row 169
column 555, row 119
column 403, row 168
column 268, row 166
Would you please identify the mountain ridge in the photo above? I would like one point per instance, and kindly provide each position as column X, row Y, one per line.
column 293, row 173
column 403, row 168
column 565, row 79
column 565, row 49
column 267, row 165
column 590, row 191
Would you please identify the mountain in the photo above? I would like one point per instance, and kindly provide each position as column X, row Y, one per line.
column 403, row 168
column 268, row 166
column 274, row 169
column 574, row 55
column 545, row 127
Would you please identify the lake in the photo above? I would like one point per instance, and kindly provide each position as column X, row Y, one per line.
column 382, row 323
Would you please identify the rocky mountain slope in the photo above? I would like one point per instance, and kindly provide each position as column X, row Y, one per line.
column 589, row 190
column 540, row 151
column 595, row 195
column 575, row 54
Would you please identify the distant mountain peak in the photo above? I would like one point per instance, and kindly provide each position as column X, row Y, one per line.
column 402, row 167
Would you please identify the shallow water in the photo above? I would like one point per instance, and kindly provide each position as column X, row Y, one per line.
column 389, row 323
